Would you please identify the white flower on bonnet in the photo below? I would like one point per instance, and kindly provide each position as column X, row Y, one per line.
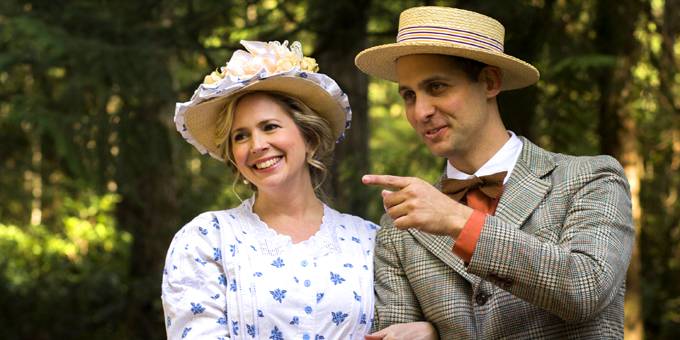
column 262, row 66
column 272, row 57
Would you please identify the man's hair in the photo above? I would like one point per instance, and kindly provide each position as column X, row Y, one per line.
column 470, row 67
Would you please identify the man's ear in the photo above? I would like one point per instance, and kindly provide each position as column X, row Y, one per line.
column 492, row 78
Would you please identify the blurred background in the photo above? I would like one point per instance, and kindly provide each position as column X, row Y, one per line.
column 94, row 179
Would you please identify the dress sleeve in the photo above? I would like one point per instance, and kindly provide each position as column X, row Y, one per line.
column 194, row 284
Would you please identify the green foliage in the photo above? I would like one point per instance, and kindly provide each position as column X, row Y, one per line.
column 74, row 280
column 581, row 63
column 88, row 151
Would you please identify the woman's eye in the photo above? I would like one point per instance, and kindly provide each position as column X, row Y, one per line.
column 270, row 127
column 237, row 137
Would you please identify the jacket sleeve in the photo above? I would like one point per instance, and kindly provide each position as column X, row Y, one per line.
column 577, row 268
column 395, row 300
column 194, row 284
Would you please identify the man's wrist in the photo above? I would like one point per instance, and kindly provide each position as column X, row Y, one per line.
column 458, row 219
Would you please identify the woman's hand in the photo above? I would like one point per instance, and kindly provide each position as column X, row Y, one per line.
column 407, row 331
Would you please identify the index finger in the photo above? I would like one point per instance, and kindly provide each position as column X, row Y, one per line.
column 376, row 335
column 373, row 337
column 386, row 181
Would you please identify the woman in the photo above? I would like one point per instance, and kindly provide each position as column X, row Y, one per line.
column 283, row 264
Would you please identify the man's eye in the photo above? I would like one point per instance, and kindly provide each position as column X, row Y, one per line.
column 408, row 96
column 437, row 87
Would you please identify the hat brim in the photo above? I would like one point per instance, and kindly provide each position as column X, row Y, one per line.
column 201, row 119
column 380, row 61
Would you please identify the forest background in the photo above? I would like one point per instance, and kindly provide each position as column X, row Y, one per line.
column 94, row 179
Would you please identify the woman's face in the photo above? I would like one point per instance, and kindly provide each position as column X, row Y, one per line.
column 268, row 147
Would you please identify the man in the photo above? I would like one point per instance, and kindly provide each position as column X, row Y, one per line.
column 538, row 245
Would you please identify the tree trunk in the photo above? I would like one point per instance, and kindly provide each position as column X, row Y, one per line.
column 148, row 209
column 340, row 27
column 616, row 127
column 632, row 165
column 526, row 35
column 618, row 138
column 667, row 183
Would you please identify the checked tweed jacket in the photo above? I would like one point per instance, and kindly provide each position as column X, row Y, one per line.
column 551, row 263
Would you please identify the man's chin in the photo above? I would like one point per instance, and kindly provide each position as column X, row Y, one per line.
column 438, row 150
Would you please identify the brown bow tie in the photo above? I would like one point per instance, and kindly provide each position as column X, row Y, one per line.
column 490, row 185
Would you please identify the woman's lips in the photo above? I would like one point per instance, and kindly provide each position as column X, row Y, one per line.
column 267, row 163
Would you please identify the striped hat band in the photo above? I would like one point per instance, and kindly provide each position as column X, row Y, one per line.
column 448, row 34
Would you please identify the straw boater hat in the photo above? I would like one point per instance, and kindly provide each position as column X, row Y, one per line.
column 448, row 31
column 264, row 66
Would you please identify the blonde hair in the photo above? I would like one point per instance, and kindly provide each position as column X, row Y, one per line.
column 315, row 129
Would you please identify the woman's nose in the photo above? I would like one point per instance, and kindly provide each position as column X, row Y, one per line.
column 258, row 143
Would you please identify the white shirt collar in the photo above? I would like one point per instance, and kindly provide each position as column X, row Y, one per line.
column 504, row 160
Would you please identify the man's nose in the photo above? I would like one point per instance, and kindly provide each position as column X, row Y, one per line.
column 424, row 108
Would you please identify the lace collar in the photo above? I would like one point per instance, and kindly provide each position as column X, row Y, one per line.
column 273, row 243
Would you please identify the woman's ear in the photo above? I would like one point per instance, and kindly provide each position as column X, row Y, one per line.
column 492, row 77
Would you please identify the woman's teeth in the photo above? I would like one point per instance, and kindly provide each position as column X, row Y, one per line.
column 268, row 163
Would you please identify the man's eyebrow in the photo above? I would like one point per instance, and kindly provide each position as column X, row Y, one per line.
column 424, row 82
column 435, row 77
column 403, row 88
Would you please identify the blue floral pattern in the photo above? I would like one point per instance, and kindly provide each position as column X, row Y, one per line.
column 228, row 276
column 336, row 279
column 251, row 330
column 185, row 332
column 276, row 334
column 197, row 308
column 339, row 317
column 278, row 263
column 278, row 294
column 234, row 328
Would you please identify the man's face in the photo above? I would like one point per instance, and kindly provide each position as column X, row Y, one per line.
column 446, row 108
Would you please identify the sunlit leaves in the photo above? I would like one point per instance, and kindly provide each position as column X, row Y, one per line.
column 34, row 254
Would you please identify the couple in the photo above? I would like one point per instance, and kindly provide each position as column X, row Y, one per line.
column 513, row 241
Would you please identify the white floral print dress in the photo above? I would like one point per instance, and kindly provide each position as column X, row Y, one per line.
column 229, row 276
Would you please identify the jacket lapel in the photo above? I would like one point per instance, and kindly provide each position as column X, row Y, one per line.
column 526, row 187
column 524, row 191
